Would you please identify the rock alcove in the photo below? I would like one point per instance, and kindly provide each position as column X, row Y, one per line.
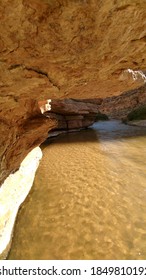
column 85, row 56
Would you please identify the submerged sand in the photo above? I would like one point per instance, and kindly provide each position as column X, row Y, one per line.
column 12, row 193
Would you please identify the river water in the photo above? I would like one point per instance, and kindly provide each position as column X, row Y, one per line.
column 88, row 200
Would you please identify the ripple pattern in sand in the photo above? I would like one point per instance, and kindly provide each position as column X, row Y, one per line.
column 88, row 200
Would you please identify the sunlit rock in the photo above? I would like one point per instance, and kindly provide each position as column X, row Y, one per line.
column 45, row 105
column 136, row 76
column 12, row 193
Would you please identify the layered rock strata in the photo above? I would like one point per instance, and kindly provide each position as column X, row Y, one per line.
column 120, row 106
column 27, row 129
column 24, row 127
column 65, row 49
column 73, row 113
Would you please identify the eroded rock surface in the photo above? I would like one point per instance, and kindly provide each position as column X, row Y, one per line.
column 73, row 113
column 120, row 106
column 23, row 128
column 52, row 49
column 62, row 49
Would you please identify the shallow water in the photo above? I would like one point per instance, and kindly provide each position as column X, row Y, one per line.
column 88, row 200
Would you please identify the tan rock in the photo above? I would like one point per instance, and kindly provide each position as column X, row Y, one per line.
column 63, row 49
column 71, row 106
column 23, row 128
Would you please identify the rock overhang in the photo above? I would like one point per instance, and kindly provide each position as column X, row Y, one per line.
column 63, row 49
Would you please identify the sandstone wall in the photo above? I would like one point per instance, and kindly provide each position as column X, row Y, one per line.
column 23, row 128
column 71, row 48
column 62, row 49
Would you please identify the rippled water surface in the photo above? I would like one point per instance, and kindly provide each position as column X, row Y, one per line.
column 88, row 200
